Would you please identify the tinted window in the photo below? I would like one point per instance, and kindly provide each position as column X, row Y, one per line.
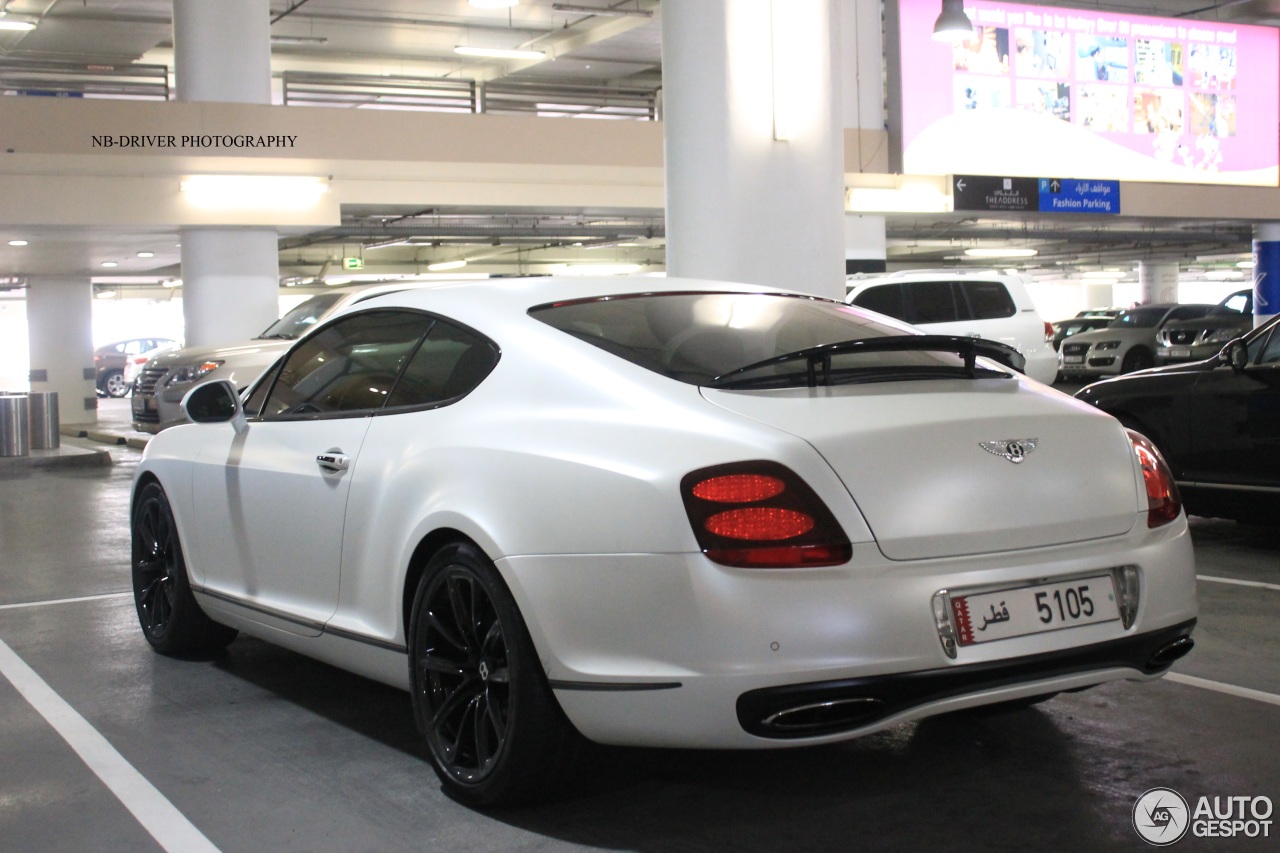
column 351, row 366
column 932, row 302
column 696, row 337
column 302, row 317
column 1239, row 303
column 989, row 300
column 1187, row 312
column 885, row 299
column 449, row 363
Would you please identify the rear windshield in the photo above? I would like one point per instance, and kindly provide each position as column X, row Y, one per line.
column 1139, row 318
column 301, row 317
column 701, row 337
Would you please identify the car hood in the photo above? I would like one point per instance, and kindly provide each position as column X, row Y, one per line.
column 925, row 463
column 1244, row 322
column 262, row 350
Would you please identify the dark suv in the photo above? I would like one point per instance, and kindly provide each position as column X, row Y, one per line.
column 1195, row 340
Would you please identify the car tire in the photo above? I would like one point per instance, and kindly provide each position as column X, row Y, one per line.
column 113, row 384
column 171, row 620
column 1137, row 358
column 496, row 734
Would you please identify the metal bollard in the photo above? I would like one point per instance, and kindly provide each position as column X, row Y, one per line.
column 42, row 418
column 14, row 439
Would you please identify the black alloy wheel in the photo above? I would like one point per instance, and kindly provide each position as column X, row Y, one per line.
column 480, row 697
column 171, row 620
column 1138, row 358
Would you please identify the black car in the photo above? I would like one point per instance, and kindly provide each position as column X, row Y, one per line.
column 1216, row 421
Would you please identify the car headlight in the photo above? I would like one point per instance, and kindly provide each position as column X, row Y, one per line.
column 191, row 372
column 1221, row 336
column 1107, row 345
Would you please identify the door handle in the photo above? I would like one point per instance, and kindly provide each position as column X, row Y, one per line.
column 332, row 461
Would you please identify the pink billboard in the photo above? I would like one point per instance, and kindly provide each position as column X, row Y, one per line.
column 1041, row 91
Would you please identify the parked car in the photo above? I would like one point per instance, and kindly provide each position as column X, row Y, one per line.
column 1066, row 328
column 1217, row 422
column 133, row 364
column 109, row 363
column 1204, row 337
column 1127, row 343
column 169, row 375
column 979, row 303
column 658, row 513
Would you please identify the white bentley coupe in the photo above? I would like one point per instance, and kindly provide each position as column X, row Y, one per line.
column 659, row 512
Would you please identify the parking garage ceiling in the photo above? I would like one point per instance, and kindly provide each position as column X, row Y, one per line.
column 594, row 43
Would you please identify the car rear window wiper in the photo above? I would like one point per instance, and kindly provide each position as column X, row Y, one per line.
column 819, row 371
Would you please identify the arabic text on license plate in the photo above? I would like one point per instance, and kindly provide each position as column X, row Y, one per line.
column 1034, row 609
column 1179, row 352
column 1073, row 359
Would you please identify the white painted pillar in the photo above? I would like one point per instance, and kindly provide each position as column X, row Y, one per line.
column 230, row 288
column 742, row 203
column 1158, row 281
column 862, row 108
column 60, row 339
column 230, row 276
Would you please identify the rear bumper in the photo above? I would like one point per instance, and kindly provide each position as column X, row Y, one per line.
column 828, row 707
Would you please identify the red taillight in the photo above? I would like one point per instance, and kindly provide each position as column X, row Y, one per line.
column 759, row 524
column 1163, row 501
column 1048, row 332
column 761, row 515
column 739, row 488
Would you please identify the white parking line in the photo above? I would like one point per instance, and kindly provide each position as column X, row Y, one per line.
column 65, row 600
column 157, row 815
column 1229, row 689
column 1275, row 586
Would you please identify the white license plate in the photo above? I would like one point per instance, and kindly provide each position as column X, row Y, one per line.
column 1073, row 359
column 1034, row 609
column 1179, row 352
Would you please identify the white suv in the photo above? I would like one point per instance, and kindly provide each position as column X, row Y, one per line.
column 974, row 303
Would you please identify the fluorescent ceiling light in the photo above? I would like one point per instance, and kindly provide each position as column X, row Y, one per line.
column 273, row 192
column 146, row 254
column 594, row 269
column 494, row 4
column 1224, row 275
column 110, row 264
column 499, row 53
column 446, row 265
column 596, row 10
column 17, row 242
column 105, row 294
column 317, row 40
column 953, row 24
column 1006, row 252
column 1244, row 265
column 16, row 24
column 173, row 282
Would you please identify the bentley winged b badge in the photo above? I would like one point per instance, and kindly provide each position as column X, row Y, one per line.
column 1013, row 449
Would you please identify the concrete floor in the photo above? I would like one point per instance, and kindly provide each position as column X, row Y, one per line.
column 266, row 750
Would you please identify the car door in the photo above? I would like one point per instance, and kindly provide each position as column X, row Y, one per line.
column 272, row 498
column 1235, row 419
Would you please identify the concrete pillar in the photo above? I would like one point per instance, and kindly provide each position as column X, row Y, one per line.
column 230, row 276
column 230, row 289
column 862, row 108
column 1266, row 272
column 60, row 336
column 1158, row 281
column 754, row 166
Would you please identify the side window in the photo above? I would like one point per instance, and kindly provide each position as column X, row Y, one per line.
column 1239, row 302
column 932, row 302
column 886, row 299
column 348, row 367
column 1271, row 353
column 132, row 347
column 258, row 396
column 989, row 300
column 1188, row 312
column 450, row 363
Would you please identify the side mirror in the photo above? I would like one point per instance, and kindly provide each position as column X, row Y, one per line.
column 1236, row 354
column 214, row 403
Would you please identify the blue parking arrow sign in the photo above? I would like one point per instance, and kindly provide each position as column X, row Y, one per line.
column 1070, row 195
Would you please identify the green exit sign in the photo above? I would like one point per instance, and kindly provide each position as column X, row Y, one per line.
column 353, row 263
